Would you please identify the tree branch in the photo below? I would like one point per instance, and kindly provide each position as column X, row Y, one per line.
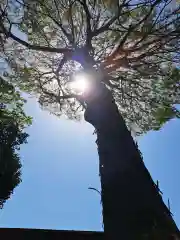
column 68, row 36
column 88, row 19
column 62, row 62
column 131, row 29
column 57, row 97
column 122, row 42
column 105, row 27
column 110, row 22
column 40, row 48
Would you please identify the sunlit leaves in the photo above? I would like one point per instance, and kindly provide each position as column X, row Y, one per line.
column 164, row 114
column 13, row 103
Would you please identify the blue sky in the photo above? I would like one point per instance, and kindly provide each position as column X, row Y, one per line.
column 60, row 162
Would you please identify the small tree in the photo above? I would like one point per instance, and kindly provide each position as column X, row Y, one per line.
column 129, row 50
column 12, row 122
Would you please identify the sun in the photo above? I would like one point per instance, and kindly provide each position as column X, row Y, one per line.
column 80, row 83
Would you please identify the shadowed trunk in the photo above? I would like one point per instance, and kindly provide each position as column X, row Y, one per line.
column 132, row 205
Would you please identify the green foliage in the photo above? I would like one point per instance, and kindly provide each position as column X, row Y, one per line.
column 12, row 122
column 164, row 114
column 131, row 46
column 12, row 105
column 10, row 166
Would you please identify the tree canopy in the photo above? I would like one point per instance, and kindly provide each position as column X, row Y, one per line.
column 131, row 46
column 12, row 122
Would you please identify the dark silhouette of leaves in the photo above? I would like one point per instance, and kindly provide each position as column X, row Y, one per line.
column 12, row 122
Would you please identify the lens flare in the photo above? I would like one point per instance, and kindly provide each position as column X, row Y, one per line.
column 80, row 83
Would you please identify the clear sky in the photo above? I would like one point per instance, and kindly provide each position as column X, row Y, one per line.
column 60, row 162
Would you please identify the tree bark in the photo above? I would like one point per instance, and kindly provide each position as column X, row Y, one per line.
column 132, row 205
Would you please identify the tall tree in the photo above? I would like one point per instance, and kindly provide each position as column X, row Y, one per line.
column 12, row 122
column 129, row 51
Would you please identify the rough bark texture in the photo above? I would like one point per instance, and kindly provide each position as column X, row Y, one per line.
column 132, row 205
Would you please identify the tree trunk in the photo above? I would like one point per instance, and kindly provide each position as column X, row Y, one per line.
column 132, row 206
